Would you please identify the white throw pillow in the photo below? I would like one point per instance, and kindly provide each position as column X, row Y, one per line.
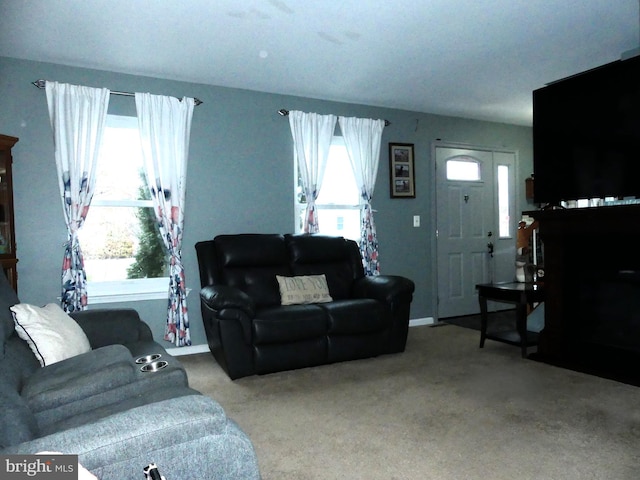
column 303, row 289
column 51, row 334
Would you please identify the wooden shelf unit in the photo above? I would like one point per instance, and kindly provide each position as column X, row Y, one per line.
column 8, row 259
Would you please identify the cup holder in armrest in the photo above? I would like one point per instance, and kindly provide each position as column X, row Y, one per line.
column 154, row 366
column 148, row 358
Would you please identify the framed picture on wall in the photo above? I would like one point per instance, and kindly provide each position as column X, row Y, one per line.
column 401, row 170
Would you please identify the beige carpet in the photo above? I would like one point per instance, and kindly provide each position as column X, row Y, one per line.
column 444, row 409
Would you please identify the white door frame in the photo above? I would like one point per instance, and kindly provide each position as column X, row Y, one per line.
column 433, row 198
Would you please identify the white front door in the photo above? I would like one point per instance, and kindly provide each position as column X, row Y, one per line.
column 475, row 224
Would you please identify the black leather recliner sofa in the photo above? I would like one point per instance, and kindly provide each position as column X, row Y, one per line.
column 249, row 331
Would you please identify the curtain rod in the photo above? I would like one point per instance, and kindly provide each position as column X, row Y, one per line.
column 40, row 84
column 285, row 113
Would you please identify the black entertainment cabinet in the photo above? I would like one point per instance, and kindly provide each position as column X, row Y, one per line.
column 592, row 283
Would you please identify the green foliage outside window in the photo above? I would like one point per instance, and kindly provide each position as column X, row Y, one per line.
column 151, row 257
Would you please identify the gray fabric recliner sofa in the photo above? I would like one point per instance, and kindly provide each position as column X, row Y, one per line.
column 102, row 407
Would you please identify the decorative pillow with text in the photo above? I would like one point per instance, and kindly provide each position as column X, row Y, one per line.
column 51, row 334
column 303, row 289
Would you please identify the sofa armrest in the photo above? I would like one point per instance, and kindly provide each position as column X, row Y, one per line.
column 227, row 316
column 110, row 326
column 221, row 297
column 384, row 288
column 395, row 293
column 187, row 437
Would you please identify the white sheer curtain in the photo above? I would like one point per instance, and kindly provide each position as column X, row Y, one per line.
column 312, row 134
column 362, row 138
column 78, row 115
column 165, row 126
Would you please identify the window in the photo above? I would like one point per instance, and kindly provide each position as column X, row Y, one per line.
column 338, row 204
column 125, row 258
column 504, row 216
column 468, row 170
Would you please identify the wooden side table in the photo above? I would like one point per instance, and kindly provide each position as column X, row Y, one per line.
column 519, row 293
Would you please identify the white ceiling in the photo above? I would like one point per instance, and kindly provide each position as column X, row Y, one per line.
column 468, row 58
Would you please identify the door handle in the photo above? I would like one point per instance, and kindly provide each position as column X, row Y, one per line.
column 490, row 248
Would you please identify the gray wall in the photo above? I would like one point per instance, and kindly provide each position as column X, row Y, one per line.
column 239, row 176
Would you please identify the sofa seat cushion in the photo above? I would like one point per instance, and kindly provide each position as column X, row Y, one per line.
column 290, row 323
column 78, row 377
column 356, row 316
column 138, row 432
column 137, row 400
column 173, row 378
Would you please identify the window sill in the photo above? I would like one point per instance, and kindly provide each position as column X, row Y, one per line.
column 125, row 297
column 128, row 291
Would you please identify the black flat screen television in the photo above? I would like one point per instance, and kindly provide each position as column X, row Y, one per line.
column 586, row 135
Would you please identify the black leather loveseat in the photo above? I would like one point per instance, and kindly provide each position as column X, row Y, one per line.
column 250, row 332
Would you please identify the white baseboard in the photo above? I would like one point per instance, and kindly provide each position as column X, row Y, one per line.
column 193, row 349
column 418, row 322
column 190, row 350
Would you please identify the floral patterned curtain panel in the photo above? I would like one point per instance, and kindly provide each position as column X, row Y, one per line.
column 312, row 134
column 165, row 126
column 362, row 138
column 78, row 115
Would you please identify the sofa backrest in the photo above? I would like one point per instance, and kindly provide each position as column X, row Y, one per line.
column 17, row 423
column 8, row 298
column 335, row 257
column 248, row 261
column 17, row 361
column 251, row 261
